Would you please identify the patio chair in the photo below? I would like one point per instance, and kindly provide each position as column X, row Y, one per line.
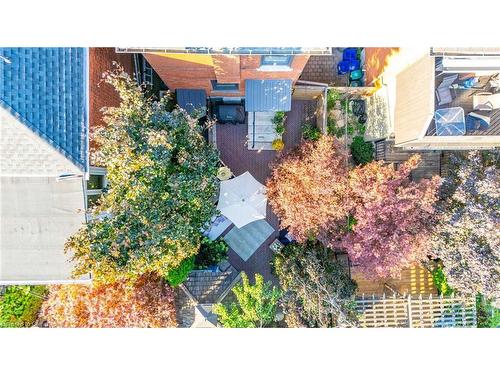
column 486, row 101
column 443, row 92
column 477, row 121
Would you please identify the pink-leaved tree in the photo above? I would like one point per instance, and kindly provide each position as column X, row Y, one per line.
column 393, row 218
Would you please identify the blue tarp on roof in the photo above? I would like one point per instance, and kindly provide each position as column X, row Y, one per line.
column 46, row 88
column 191, row 99
column 268, row 95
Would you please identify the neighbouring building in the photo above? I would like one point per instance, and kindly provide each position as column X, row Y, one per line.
column 50, row 105
column 224, row 72
column 237, row 85
column 449, row 99
column 44, row 165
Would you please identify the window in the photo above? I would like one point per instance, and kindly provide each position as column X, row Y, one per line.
column 276, row 60
column 216, row 86
column 96, row 185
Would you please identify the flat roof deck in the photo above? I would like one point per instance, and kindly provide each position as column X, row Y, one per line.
column 464, row 98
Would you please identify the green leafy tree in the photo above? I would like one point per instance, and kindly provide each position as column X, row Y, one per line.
column 318, row 290
column 256, row 305
column 162, row 184
column 20, row 304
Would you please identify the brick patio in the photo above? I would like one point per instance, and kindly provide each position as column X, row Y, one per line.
column 323, row 69
column 232, row 144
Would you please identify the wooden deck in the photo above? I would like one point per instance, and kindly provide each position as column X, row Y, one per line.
column 463, row 98
column 415, row 280
column 429, row 166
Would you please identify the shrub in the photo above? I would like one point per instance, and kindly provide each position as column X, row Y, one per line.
column 256, row 305
column 310, row 132
column 176, row 276
column 149, row 302
column 279, row 122
column 279, row 118
column 211, row 253
column 280, row 129
column 488, row 316
column 332, row 96
column 20, row 304
column 439, row 280
column 278, row 145
column 361, row 151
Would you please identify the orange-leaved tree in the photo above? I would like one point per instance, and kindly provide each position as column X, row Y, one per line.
column 149, row 302
column 307, row 188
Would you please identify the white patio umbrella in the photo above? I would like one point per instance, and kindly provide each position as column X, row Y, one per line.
column 242, row 199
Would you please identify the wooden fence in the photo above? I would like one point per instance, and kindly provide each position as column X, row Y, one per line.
column 416, row 311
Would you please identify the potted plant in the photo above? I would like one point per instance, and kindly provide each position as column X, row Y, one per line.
column 279, row 122
column 278, row 144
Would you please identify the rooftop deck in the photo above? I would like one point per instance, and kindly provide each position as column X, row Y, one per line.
column 464, row 98
column 232, row 144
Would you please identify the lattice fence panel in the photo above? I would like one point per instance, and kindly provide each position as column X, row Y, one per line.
column 416, row 311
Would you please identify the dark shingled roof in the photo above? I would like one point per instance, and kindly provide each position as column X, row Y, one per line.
column 207, row 286
column 46, row 88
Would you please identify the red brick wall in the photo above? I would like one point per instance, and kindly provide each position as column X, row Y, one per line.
column 180, row 74
column 251, row 64
column 227, row 68
column 102, row 94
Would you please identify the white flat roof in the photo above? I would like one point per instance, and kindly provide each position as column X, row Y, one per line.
column 38, row 215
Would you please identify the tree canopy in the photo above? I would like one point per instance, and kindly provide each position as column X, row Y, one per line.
column 149, row 302
column 393, row 218
column 374, row 212
column 162, row 182
column 307, row 188
column 318, row 290
column 467, row 238
column 255, row 307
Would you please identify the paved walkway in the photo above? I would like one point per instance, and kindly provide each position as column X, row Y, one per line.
column 323, row 69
